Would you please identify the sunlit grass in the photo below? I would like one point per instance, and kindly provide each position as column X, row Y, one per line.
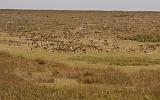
column 120, row 61
column 110, row 83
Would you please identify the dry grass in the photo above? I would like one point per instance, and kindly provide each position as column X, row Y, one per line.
column 111, row 83
column 39, row 75
column 110, row 22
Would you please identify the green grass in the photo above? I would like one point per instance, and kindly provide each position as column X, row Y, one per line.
column 120, row 61
column 143, row 37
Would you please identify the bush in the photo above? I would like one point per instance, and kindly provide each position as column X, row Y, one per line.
column 40, row 61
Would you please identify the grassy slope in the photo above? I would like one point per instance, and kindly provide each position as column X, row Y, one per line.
column 75, row 80
column 108, row 83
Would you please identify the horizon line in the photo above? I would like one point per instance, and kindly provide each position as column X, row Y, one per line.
column 79, row 10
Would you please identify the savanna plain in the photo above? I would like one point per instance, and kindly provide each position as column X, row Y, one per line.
column 79, row 55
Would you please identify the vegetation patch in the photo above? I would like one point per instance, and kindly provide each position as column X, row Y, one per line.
column 40, row 61
column 108, row 76
column 120, row 61
column 4, row 54
column 143, row 37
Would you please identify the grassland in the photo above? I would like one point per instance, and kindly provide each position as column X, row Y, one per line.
column 22, row 78
column 37, row 74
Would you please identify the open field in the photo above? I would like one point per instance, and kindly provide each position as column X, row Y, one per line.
column 79, row 55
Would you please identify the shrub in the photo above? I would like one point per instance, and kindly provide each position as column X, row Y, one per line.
column 40, row 61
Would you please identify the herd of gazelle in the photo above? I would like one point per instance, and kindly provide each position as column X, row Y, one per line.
column 59, row 43
column 72, row 41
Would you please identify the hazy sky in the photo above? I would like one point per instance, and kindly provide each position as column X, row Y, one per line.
column 150, row 5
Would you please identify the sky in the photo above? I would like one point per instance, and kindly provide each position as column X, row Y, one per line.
column 108, row 5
